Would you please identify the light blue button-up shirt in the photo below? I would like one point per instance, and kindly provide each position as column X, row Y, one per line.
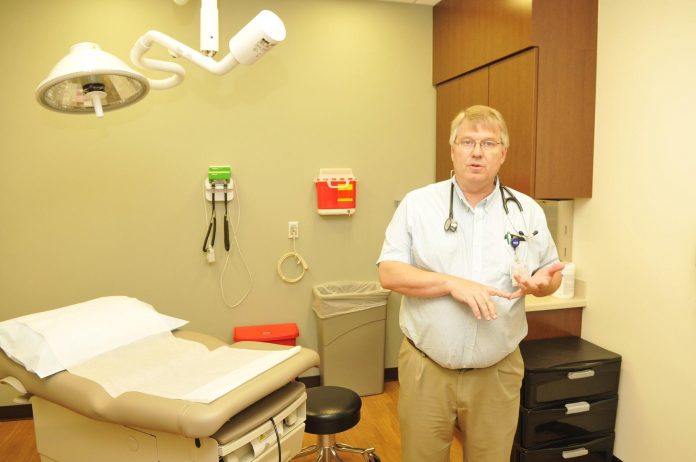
column 444, row 328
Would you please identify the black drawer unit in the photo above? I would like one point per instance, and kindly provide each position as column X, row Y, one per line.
column 561, row 369
column 596, row 449
column 569, row 401
column 572, row 420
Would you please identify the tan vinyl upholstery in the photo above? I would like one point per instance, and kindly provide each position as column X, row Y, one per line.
column 135, row 409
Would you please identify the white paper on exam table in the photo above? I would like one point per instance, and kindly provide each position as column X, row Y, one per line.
column 163, row 365
column 79, row 332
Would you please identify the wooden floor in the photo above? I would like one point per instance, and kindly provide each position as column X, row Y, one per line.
column 17, row 441
column 378, row 428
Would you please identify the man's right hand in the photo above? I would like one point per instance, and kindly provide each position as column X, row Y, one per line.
column 477, row 296
column 415, row 282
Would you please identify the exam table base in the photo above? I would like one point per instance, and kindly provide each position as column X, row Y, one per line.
column 65, row 436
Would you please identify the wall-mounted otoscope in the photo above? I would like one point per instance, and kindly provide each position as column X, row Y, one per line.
column 218, row 187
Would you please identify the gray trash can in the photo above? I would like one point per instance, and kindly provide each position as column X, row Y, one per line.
column 351, row 322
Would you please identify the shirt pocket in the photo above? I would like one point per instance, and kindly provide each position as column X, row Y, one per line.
column 442, row 253
column 532, row 255
column 498, row 266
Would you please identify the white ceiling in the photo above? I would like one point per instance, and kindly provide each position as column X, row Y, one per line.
column 417, row 2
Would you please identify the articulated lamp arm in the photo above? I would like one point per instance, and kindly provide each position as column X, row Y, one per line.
column 249, row 44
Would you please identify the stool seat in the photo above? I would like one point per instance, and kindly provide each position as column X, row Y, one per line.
column 331, row 410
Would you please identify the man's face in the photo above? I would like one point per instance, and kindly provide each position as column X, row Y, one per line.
column 477, row 167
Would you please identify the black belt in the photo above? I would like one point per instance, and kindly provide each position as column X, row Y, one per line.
column 463, row 369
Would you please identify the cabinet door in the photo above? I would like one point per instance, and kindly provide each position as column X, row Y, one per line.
column 512, row 89
column 452, row 97
column 468, row 34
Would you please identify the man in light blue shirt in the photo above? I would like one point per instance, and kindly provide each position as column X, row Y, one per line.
column 463, row 288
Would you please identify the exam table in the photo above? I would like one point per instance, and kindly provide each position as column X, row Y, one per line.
column 76, row 420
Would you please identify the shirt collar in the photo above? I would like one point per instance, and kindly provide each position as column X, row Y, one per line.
column 486, row 203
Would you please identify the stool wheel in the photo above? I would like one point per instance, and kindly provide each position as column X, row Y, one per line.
column 374, row 458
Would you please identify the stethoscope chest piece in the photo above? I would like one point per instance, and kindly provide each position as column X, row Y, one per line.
column 450, row 223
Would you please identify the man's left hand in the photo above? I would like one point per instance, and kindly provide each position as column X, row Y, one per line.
column 544, row 282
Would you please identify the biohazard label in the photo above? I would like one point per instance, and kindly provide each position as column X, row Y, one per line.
column 345, row 193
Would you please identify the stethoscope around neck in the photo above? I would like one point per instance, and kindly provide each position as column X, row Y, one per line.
column 450, row 223
column 506, row 196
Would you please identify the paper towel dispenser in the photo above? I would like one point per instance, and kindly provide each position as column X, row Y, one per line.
column 559, row 216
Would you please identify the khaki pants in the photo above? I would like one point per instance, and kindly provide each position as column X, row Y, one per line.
column 483, row 403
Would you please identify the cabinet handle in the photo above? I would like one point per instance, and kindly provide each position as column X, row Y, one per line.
column 581, row 374
column 576, row 408
column 575, row 453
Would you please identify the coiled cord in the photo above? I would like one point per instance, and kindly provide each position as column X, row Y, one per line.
column 300, row 262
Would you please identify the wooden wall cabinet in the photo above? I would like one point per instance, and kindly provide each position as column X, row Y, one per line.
column 453, row 96
column 468, row 34
column 534, row 61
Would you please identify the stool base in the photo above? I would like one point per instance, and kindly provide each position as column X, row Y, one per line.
column 327, row 450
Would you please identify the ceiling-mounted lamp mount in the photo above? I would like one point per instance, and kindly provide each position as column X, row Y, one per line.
column 90, row 80
column 210, row 31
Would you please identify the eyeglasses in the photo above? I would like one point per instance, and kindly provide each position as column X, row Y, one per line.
column 467, row 145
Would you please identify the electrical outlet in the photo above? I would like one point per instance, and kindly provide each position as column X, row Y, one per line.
column 293, row 230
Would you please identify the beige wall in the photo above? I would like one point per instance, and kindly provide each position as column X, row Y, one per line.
column 333, row 96
column 635, row 239
column 94, row 207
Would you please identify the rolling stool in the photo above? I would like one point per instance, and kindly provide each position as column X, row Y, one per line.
column 332, row 410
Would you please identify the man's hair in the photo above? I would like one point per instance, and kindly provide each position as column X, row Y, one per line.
column 480, row 115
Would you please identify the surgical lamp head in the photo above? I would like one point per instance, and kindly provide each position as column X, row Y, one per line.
column 90, row 80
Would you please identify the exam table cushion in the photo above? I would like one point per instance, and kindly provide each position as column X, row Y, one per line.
column 259, row 412
column 135, row 409
column 38, row 341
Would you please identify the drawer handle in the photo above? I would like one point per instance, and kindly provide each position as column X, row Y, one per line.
column 575, row 453
column 581, row 374
column 576, row 408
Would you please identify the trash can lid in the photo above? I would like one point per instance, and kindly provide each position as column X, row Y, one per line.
column 341, row 297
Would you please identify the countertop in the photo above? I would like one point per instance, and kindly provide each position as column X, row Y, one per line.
column 552, row 303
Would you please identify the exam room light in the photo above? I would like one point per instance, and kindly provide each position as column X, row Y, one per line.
column 90, row 80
